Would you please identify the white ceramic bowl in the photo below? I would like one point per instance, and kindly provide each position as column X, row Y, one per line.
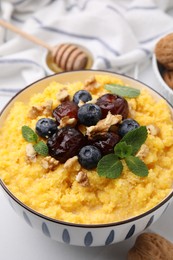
column 80, row 234
column 166, row 90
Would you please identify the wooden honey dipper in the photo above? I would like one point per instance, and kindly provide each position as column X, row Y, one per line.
column 66, row 56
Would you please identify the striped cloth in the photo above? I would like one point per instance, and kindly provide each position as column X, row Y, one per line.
column 120, row 34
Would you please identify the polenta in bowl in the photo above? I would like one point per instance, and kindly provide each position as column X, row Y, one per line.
column 86, row 156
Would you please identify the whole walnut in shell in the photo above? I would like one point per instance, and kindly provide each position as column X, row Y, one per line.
column 168, row 77
column 164, row 51
column 150, row 246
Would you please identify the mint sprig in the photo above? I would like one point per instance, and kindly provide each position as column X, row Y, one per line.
column 30, row 136
column 122, row 91
column 110, row 166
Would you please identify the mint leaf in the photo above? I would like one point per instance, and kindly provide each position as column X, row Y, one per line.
column 122, row 149
column 29, row 135
column 123, row 91
column 109, row 166
column 41, row 148
column 135, row 138
column 137, row 166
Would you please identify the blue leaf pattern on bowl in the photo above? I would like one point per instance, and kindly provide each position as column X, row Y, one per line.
column 131, row 232
column 66, row 236
column 45, row 230
column 27, row 218
column 165, row 208
column 88, row 239
column 11, row 204
column 110, row 238
column 150, row 222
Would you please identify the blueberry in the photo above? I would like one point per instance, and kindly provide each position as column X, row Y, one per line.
column 82, row 95
column 89, row 114
column 127, row 125
column 46, row 127
column 89, row 156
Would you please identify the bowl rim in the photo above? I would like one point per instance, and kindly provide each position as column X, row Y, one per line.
column 80, row 225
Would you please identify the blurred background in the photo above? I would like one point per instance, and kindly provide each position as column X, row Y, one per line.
column 120, row 35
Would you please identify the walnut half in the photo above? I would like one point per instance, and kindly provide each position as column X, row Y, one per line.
column 63, row 95
column 82, row 178
column 66, row 120
column 44, row 109
column 143, row 151
column 49, row 163
column 152, row 129
column 72, row 164
column 91, row 84
column 30, row 153
column 103, row 125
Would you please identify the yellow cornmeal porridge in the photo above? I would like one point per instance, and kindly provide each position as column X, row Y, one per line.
column 57, row 194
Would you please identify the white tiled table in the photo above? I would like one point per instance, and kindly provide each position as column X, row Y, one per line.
column 18, row 241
